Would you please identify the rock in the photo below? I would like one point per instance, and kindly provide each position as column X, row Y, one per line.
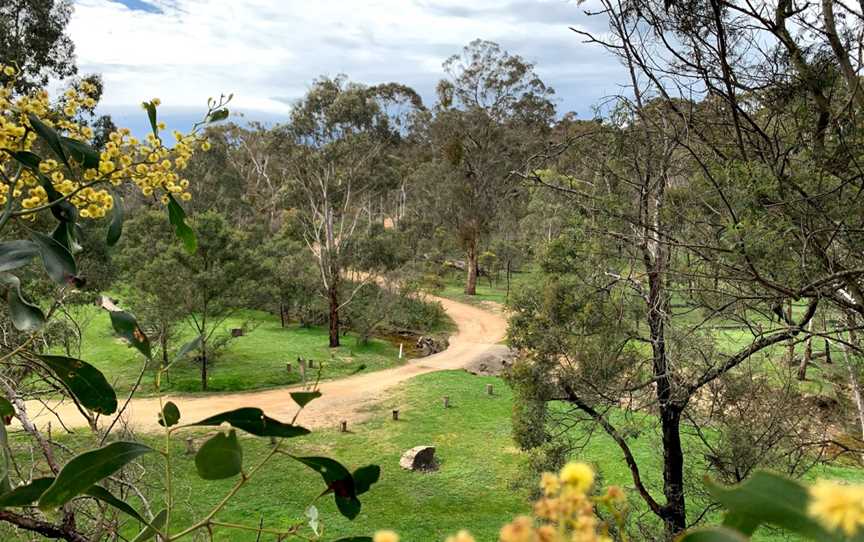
column 496, row 360
column 430, row 345
column 419, row 458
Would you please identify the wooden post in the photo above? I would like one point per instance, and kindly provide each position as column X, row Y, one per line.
column 272, row 441
column 288, row 366
column 489, row 389
column 400, row 350
column 446, row 401
column 190, row 446
column 343, row 426
column 395, row 415
column 301, row 364
column 311, row 363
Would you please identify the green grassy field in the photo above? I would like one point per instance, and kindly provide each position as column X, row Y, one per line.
column 475, row 488
column 496, row 291
column 254, row 361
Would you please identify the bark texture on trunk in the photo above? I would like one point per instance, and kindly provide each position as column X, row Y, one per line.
column 333, row 297
column 471, row 283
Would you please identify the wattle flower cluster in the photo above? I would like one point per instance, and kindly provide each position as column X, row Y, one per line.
column 153, row 168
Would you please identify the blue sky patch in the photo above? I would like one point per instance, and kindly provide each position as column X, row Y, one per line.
column 139, row 5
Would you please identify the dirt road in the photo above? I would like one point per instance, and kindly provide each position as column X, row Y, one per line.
column 478, row 331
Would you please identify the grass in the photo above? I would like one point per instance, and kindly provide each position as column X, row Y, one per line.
column 254, row 361
column 495, row 291
column 479, row 485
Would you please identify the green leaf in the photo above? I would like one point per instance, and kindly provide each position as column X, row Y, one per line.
column 5, row 486
column 220, row 457
column 85, row 382
column 713, row 534
column 127, row 327
column 26, row 495
column 768, row 498
column 189, row 347
column 27, row 159
column 151, row 115
column 88, row 468
column 170, row 415
column 150, row 530
column 58, row 261
column 339, row 482
column 253, row 421
column 66, row 234
column 366, row 477
column 81, row 152
column 219, row 114
column 49, row 135
column 6, row 409
column 25, row 316
column 177, row 217
column 15, row 254
column 302, row 398
column 99, row 492
column 115, row 229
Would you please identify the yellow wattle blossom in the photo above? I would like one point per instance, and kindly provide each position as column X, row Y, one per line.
column 150, row 167
column 385, row 536
column 579, row 476
column 461, row 536
column 838, row 506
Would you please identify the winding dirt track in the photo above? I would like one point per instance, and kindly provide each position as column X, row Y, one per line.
column 477, row 333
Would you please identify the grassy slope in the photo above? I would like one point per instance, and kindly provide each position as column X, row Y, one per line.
column 256, row 360
column 474, row 488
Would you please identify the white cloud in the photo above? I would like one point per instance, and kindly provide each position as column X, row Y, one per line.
column 267, row 52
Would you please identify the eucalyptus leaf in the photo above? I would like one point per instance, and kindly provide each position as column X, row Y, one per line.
column 81, row 152
column 87, row 469
column 85, row 382
column 25, row 316
column 49, row 135
column 254, row 421
column 57, row 259
column 220, row 457
column 15, row 254
column 99, row 492
column 126, row 326
column 170, row 415
column 115, row 228
column 302, row 398
column 27, row 494
column 177, row 217
column 151, row 530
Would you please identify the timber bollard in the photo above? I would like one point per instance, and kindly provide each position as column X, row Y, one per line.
column 288, row 366
column 273, row 441
column 446, row 401
column 489, row 390
column 343, row 426
column 395, row 415
column 190, row 446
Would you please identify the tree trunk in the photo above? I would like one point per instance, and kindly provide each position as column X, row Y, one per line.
column 471, row 284
column 282, row 314
column 808, row 354
column 333, row 296
column 674, row 511
column 203, row 365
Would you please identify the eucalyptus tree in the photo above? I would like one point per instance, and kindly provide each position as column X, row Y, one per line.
column 492, row 108
column 724, row 187
column 33, row 38
column 334, row 155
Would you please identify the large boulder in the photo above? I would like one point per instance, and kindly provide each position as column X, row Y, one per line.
column 419, row 458
column 431, row 345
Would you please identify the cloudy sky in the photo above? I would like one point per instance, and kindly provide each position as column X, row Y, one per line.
column 267, row 52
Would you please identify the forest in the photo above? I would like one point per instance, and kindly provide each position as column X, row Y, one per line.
column 642, row 324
